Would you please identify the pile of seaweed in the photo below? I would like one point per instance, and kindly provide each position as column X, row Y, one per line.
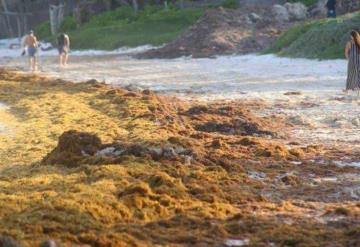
column 120, row 167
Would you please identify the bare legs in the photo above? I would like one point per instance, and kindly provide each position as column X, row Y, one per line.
column 33, row 64
column 357, row 90
column 66, row 57
column 63, row 59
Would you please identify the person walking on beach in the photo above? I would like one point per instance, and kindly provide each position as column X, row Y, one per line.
column 352, row 53
column 331, row 7
column 63, row 42
column 30, row 45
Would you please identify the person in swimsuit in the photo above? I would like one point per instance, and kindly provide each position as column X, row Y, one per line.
column 63, row 42
column 352, row 53
column 30, row 44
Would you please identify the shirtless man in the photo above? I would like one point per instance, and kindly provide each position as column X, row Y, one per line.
column 30, row 44
column 63, row 42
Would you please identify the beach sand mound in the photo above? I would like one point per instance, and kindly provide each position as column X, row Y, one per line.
column 222, row 31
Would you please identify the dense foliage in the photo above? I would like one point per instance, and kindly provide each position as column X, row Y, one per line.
column 322, row 39
column 231, row 4
column 306, row 2
column 122, row 27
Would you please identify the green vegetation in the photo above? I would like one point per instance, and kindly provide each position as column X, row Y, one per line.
column 43, row 30
column 321, row 39
column 230, row 4
column 306, row 2
column 153, row 25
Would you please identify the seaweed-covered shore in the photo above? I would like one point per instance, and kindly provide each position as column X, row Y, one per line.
column 89, row 164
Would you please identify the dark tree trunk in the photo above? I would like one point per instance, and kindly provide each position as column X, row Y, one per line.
column 7, row 19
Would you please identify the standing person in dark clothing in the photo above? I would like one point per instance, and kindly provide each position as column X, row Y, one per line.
column 331, row 7
column 63, row 42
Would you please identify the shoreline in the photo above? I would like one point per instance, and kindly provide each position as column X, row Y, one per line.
column 306, row 92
